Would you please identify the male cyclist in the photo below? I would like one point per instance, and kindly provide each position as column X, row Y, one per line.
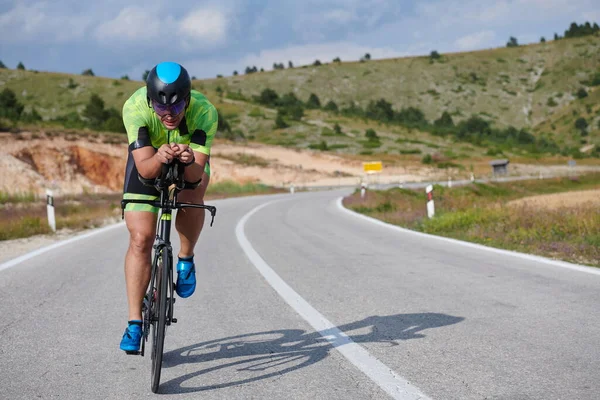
column 165, row 120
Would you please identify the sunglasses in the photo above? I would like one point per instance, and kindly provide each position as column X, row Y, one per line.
column 173, row 109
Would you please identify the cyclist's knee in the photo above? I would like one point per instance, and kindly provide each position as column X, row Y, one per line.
column 141, row 242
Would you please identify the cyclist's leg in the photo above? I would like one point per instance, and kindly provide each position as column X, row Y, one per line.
column 142, row 231
column 189, row 221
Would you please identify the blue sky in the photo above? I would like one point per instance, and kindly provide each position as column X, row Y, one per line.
column 115, row 38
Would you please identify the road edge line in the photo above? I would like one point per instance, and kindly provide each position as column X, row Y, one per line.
column 393, row 384
column 530, row 257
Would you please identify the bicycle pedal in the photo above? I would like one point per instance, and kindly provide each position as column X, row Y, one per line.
column 174, row 320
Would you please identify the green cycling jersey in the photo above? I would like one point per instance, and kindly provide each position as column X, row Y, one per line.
column 144, row 127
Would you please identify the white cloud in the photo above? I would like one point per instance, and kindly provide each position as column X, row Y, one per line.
column 131, row 24
column 41, row 22
column 199, row 29
column 475, row 40
column 206, row 24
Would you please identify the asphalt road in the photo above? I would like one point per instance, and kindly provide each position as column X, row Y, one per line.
column 299, row 299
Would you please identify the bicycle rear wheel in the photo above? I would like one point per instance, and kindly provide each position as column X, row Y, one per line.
column 159, row 316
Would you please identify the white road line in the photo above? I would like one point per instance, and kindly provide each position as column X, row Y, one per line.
column 37, row 252
column 396, row 386
column 530, row 257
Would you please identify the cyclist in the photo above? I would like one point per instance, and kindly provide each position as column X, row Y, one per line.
column 165, row 120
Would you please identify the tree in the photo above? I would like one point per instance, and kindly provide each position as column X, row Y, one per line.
column 9, row 105
column 543, row 40
column 99, row 118
column 337, row 129
column 367, row 56
column 20, row 66
column 556, row 37
column 445, row 121
column 313, row 101
column 581, row 124
column 290, row 65
column 331, row 106
column 581, row 93
column 289, row 100
column 317, row 63
column 371, row 135
column 512, row 42
column 337, row 60
column 435, row 55
column 279, row 121
column 113, row 121
column 2, row 65
column 88, row 72
column 193, row 78
column 125, row 77
column 94, row 112
column 145, row 75
column 296, row 112
column 268, row 97
column 235, row 73
column 381, row 110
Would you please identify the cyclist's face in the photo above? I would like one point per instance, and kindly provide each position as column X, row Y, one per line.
column 172, row 115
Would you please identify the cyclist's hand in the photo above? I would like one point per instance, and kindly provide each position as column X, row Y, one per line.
column 165, row 154
column 184, row 153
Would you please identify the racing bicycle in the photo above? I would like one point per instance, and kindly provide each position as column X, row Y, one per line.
column 157, row 305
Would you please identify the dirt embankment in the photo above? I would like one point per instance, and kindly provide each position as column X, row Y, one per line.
column 67, row 164
column 31, row 163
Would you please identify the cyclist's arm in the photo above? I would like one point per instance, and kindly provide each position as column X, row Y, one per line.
column 201, row 142
column 137, row 120
column 149, row 161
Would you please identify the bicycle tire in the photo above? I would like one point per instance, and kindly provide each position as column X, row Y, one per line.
column 159, row 317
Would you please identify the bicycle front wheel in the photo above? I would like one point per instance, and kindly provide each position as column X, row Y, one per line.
column 159, row 316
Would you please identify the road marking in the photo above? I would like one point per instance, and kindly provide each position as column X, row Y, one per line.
column 530, row 257
column 394, row 385
column 37, row 252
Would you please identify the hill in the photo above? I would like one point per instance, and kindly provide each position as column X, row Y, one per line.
column 533, row 87
column 510, row 86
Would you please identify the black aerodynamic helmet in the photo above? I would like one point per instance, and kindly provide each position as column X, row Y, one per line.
column 168, row 83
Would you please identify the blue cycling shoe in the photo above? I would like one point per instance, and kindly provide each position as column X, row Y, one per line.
column 186, row 277
column 132, row 337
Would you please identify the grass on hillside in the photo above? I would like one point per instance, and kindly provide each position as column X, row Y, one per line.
column 479, row 213
column 508, row 86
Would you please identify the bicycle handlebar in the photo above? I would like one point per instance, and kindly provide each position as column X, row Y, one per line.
column 178, row 205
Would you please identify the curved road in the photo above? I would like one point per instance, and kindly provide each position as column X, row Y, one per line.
column 299, row 299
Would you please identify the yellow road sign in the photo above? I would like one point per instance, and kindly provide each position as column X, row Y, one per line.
column 373, row 166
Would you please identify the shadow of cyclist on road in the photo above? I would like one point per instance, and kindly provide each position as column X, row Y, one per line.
column 251, row 357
